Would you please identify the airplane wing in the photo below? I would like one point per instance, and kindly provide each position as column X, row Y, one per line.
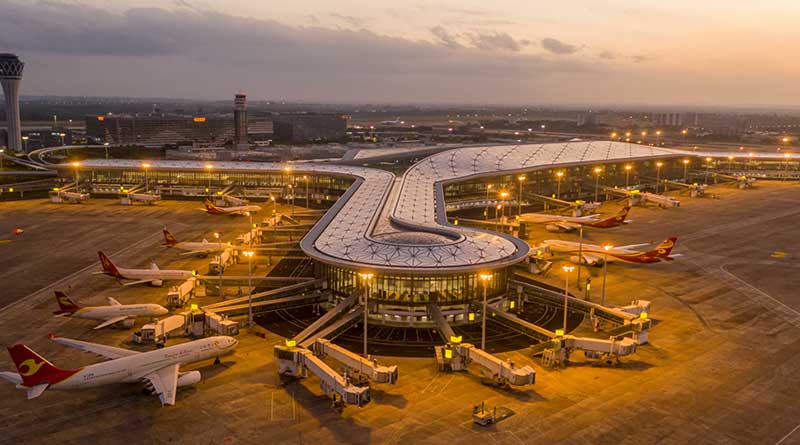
column 110, row 321
column 195, row 252
column 109, row 352
column 165, row 383
column 567, row 225
column 133, row 283
column 113, row 302
column 590, row 259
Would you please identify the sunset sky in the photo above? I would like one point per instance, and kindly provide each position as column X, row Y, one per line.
column 708, row 52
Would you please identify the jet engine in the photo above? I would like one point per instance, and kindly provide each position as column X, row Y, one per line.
column 127, row 323
column 189, row 378
column 552, row 228
column 157, row 283
column 589, row 262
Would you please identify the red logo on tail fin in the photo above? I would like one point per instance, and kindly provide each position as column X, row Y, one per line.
column 66, row 305
column 108, row 266
column 34, row 369
column 663, row 250
column 169, row 239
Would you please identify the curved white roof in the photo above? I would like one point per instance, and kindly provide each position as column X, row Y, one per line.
column 399, row 224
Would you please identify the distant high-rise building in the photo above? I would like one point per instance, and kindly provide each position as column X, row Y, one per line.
column 240, row 120
column 10, row 77
column 309, row 127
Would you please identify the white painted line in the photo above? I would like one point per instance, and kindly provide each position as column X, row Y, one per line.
column 787, row 436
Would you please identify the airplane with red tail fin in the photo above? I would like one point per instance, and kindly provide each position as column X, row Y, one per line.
column 160, row 368
column 594, row 255
column 153, row 276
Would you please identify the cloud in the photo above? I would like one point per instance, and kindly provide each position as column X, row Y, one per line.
column 495, row 41
column 607, row 55
column 444, row 37
column 203, row 54
column 558, row 47
column 348, row 19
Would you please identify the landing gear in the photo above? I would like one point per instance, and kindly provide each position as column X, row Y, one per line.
column 217, row 361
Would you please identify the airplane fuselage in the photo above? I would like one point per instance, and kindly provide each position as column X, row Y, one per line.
column 133, row 368
column 124, row 310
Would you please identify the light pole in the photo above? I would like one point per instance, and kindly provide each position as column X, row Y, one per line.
column 208, row 171
column 559, row 175
column 644, row 137
column 606, row 248
column 2, row 150
column 628, row 168
column 305, row 178
column 521, row 179
column 597, row 171
column 683, row 132
column 365, row 276
column 291, row 196
column 486, row 210
column 730, row 164
column 685, row 170
column 786, row 165
column 249, row 255
column 580, row 253
column 567, row 270
column 485, row 277
column 105, row 147
column 708, row 168
column 659, row 164
column 221, row 294
column 25, row 143
column 503, row 195
column 76, row 165
column 145, row 166
column 658, row 137
column 252, row 232
column 274, row 219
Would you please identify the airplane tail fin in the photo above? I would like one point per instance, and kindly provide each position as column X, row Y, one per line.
column 169, row 239
column 66, row 306
column 108, row 266
column 36, row 372
column 663, row 250
column 613, row 221
column 209, row 205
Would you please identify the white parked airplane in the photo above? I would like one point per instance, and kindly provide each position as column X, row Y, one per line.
column 193, row 248
column 594, row 255
column 560, row 223
column 159, row 368
column 114, row 313
column 154, row 276
column 236, row 210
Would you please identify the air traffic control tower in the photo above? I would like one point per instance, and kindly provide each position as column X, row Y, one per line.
column 10, row 77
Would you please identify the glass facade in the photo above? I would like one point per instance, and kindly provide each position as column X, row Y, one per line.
column 411, row 289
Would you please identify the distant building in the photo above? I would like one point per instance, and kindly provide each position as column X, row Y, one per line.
column 309, row 127
column 589, row 118
column 159, row 130
column 10, row 77
column 240, row 120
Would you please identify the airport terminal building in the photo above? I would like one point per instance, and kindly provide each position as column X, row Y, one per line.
column 396, row 228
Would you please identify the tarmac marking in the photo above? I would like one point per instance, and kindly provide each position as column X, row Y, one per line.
column 787, row 436
column 757, row 290
column 72, row 276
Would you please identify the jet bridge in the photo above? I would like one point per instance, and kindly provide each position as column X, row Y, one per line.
column 295, row 362
column 319, row 323
column 354, row 363
column 456, row 356
column 579, row 208
column 556, row 348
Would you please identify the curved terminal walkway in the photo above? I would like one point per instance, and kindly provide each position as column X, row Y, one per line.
column 399, row 224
